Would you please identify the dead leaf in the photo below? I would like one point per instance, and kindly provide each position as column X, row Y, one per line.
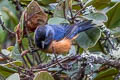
column 32, row 17
column 35, row 16
column 18, row 33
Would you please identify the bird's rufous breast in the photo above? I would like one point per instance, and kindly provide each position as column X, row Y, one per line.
column 58, row 47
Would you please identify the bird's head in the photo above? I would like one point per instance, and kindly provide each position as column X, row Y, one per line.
column 40, row 35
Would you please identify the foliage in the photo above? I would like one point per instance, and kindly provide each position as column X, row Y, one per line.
column 20, row 59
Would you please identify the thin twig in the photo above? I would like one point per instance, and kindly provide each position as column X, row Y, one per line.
column 80, row 11
column 53, row 64
column 13, row 65
column 78, row 49
column 5, row 28
column 81, row 73
column 4, row 56
column 18, row 7
column 29, row 60
column 31, row 46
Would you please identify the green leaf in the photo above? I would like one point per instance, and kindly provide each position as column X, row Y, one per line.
column 97, row 48
column 1, row 77
column 88, row 38
column 98, row 16
column 25, row 2
column 7, row 17
column 60, row 10
column 68, row 7
column 2, row 34
column 107, row 74
column 99, row 4
column 57, row 20
column 113, row 16
column 5, row 52
column 10, row 48
column 11, row 15
column 17, row 63
column 41, row 2
column 75, row 5
column 116, row 32
column 63, row 9
column 14, row 76
column 43, row 76
column 44, row 57
column 25, row 43
column 7, row 4
column 6, row 71
column 54, row 69
column 16, row 53
column 22, row 23
column 47, row 2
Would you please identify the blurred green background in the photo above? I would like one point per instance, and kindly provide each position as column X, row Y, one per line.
column 9, row 16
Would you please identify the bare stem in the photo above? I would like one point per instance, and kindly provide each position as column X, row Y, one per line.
column 5, row 28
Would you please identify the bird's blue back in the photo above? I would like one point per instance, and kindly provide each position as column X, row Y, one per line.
column 69, row 31
column 58, row 31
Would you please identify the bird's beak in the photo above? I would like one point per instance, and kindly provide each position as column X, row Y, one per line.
column 43, row 44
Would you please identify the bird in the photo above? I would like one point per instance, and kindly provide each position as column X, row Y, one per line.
column 58, row 38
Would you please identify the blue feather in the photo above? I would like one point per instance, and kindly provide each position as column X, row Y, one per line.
column 69, row 31
column 57, row 30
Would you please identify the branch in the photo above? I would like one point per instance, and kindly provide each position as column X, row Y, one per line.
column 80, row 11
column 5, row 28
column 81, row 73
column 31, row 47
column 97, row 59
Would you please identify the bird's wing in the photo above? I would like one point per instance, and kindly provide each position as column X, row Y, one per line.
column 73, row 30
column 58, row 31
column 69, row 31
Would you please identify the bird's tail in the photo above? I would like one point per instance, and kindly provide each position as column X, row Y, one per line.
column 77, row 28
